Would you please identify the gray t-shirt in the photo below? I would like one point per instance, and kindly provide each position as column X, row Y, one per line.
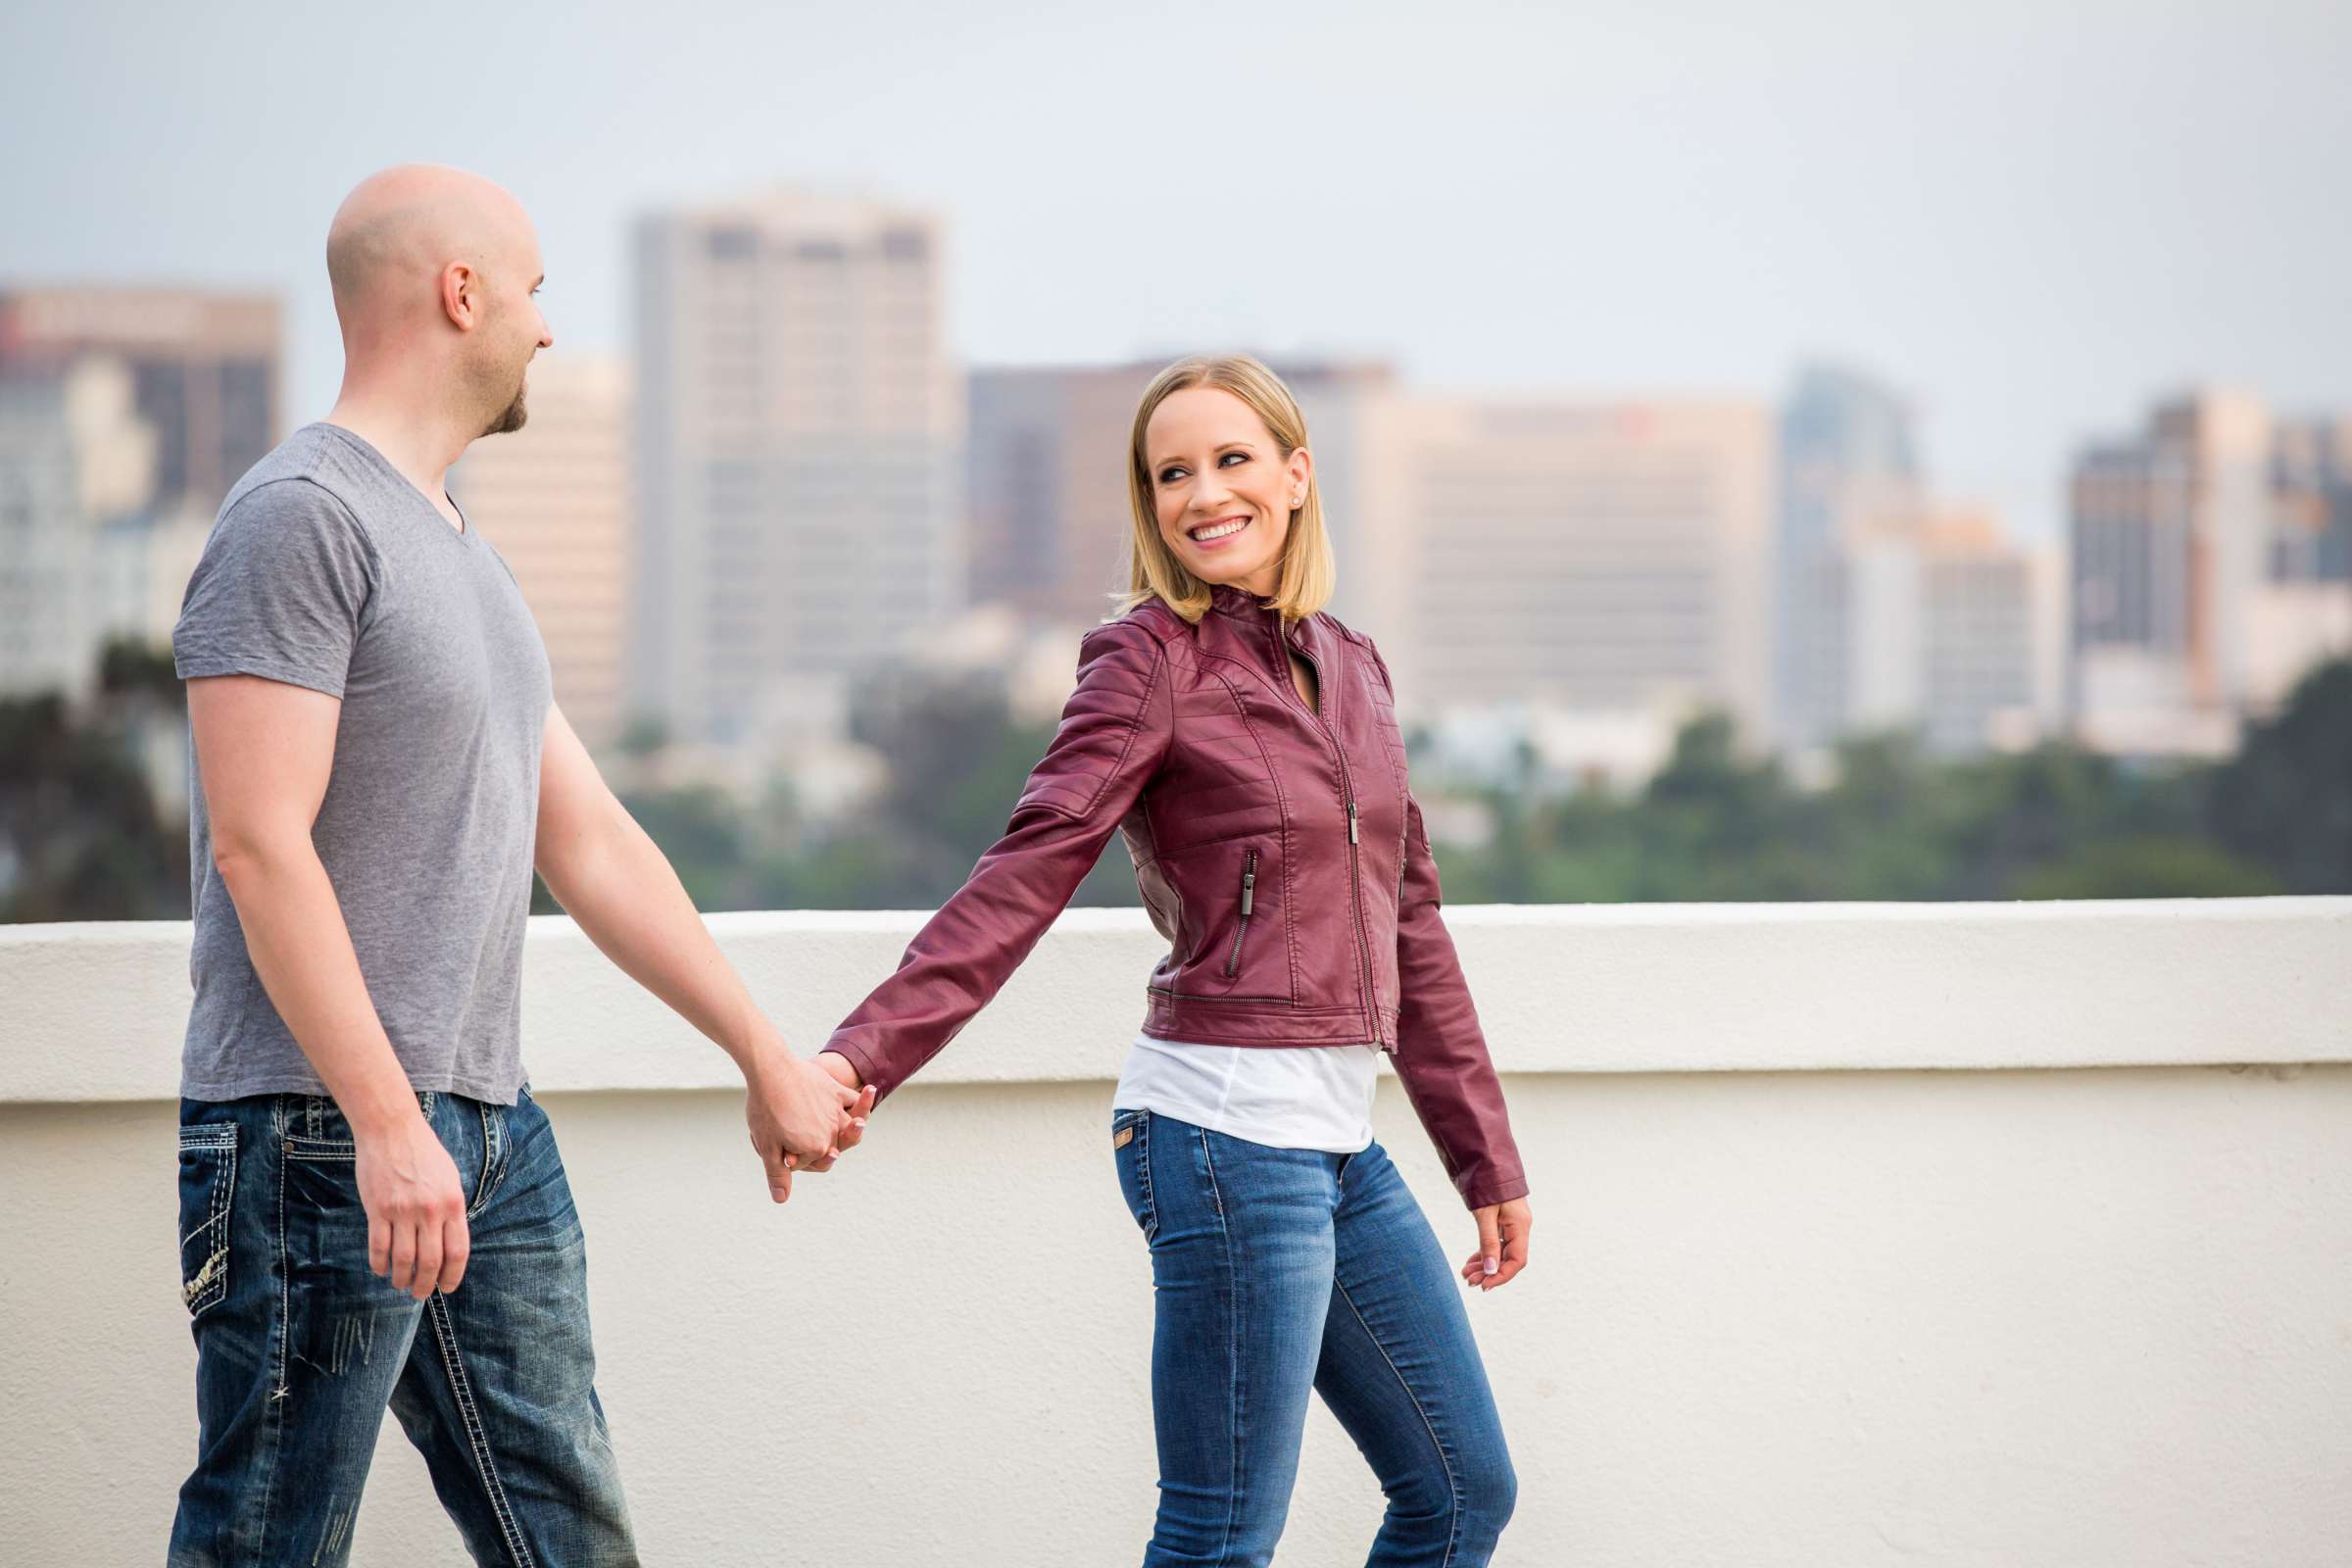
column 328, row 569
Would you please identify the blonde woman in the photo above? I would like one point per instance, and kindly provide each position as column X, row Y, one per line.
column 1247, row 745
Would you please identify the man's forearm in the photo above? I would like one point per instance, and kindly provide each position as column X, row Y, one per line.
column 301, row 949
column 622, row 892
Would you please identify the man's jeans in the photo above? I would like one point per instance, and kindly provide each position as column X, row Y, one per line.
column 299, row 1347
column 1279, row 1270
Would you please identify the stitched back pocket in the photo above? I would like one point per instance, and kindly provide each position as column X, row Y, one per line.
column 208, row 1184
column 1130, row 1148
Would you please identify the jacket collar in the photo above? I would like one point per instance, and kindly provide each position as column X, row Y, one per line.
column 1227, row 600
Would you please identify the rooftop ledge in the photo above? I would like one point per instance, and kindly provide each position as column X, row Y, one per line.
column 95, row 1012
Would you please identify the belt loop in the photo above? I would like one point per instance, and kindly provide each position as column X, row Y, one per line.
column 313, row 1118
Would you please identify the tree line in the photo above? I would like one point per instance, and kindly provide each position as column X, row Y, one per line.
column 81, row 837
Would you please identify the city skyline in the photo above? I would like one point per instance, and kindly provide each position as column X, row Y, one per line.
column 795, row 371
column 1956, row 201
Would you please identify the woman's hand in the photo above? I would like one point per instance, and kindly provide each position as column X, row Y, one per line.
column 1503, row 1230
column 845, row 1075
column 799, row 1115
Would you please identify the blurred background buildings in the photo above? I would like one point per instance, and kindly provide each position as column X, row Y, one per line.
column 790, row 518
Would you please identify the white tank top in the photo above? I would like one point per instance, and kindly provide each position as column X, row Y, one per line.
column 1286, row 1097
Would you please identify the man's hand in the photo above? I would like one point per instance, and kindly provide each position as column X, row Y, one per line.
column 799, row 1115
column 417, row 1235
column 1502, row 1231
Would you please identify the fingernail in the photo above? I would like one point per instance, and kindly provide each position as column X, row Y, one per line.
column 1493, row 1267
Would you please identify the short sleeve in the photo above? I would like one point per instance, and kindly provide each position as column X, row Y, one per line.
column 281, row 591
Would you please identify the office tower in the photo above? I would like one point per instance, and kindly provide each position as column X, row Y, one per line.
column 1048, row 487
column 1599, row 559
column 556, row 499
column 799, row 451
column 125, row 416
column 2170, row 530
column 1847, row 588
column 1048, row 476
column 1977, row 636
column 204, row 368
column 2302, row 612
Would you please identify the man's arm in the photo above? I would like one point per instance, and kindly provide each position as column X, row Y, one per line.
column 264, row 749
column 615, row 881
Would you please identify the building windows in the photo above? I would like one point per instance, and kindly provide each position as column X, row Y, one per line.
column 732, row 242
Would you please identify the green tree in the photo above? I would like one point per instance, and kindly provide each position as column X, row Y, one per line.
column 2285, row 802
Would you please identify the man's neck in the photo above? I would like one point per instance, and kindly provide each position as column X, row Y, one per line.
column 420, row 446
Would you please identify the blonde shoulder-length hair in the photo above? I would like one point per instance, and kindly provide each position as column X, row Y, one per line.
column 1308, row 570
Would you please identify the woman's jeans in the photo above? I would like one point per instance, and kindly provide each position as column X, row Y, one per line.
column 299, row 1348
column 1277, row 1270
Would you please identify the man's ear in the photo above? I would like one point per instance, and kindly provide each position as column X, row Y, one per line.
column 462, row 296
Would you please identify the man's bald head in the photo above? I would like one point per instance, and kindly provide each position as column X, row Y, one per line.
column 399, row 229
column 433, row 271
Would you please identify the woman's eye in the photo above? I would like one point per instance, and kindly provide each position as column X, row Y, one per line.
column 1170, row 476
column 1233, row 457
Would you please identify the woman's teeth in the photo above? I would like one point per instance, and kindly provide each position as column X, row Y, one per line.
column 1220, row 530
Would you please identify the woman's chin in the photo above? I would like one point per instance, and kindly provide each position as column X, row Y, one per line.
column 1226, row 573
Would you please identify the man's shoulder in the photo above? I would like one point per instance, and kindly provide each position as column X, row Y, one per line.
column 310, row 471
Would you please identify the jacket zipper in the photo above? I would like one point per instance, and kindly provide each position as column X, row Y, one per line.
column 1233, row 961
column 1355, row 889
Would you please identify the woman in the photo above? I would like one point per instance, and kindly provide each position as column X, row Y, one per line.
column 1248, row 746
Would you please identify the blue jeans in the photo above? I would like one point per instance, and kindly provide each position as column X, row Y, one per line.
column 1277, row 1270
column 299, row 1348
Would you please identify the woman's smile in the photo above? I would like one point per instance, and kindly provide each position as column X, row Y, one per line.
column 1212, row 534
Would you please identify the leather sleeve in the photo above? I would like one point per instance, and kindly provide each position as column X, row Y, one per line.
column 1114, row 735
column 1441, row 1050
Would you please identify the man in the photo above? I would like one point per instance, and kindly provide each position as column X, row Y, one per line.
column 379, row 768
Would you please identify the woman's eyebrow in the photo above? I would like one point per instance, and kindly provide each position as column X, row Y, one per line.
column 1222, row 446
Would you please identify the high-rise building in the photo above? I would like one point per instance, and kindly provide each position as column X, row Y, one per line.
column 1048, row 487
column 1048, row 476
column 2302, row 611
column 1596, row 559
column 1847, row 591
column 2310, row 521
column 556, row 499
column 799, row 431
column 2171, row 530
column 125, row 416
column 204, row 370
column 1979, row 595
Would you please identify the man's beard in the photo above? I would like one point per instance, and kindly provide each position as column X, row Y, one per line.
column 512, row 419
column 514, row 415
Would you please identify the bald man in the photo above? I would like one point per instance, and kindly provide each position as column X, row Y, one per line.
column 373, row 1211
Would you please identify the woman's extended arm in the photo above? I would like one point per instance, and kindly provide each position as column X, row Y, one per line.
column 1113, row 734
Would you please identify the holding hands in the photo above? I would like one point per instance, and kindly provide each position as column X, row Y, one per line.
column 802, row 1112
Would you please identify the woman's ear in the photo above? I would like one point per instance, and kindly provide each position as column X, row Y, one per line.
column 1301, row 468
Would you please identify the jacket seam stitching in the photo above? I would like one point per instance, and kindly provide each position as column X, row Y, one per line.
column 1135, row 728
column 1282, row 808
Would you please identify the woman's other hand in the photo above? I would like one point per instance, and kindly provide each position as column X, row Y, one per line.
column 1502, row 1231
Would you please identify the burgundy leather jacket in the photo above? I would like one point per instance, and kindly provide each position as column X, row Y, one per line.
column 1278, row 849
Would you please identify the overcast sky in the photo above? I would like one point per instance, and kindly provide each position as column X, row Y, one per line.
column 2033, row 217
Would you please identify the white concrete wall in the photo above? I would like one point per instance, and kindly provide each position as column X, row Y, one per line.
column 1801, row 1294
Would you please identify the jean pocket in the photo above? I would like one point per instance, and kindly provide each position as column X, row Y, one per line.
column 208, row 1184
column 1130, row 1149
